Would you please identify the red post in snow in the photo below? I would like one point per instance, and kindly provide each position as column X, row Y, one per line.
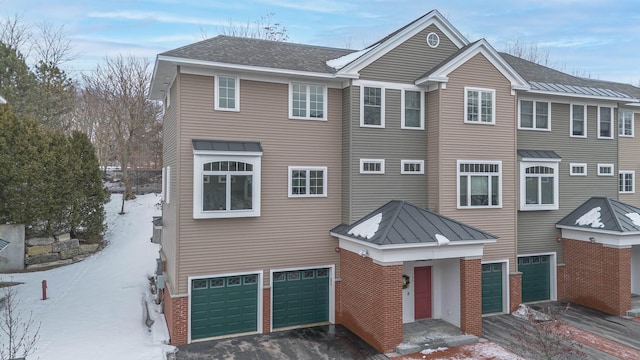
column 44, row 289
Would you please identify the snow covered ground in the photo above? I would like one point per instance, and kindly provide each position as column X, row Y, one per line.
column 94, row 308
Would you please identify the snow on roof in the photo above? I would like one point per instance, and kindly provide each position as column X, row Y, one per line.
column 343, row 61
column 442, row 240
column 368, row 228
column 591, row 218
column 635, row 217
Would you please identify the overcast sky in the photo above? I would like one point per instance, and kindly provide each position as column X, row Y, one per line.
column 598, row 38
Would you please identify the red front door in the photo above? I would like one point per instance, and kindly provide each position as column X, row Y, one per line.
column 422, row 291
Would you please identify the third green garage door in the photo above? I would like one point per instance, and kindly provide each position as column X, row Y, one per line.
column 300, row 297
column 536, row 277
column 492, row 288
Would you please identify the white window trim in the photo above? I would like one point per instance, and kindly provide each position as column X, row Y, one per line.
column 633, row 181
column 374, row 161
column 403, row 162
column 308, row 117
column 382, row 107
column 167, row 197
column 600, row 173
column 523, row 185
column 164, row 184
column 403, row 109
column 611, row 124
column 572, row 165
column 499, row 162
column 571, row 121
column 217, row 93
column 202, row 157
column 620, row 112
column 307, row 168
column 493, row 105
column 548, row 128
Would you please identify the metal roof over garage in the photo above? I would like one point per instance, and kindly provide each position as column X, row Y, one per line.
column 603, row 214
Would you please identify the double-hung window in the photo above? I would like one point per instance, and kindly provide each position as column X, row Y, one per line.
column 307, row 101
column 539, row 185
column 479, row 183
column 534, row 115
column 625, row 123
column 605, row 122
column 480, row 105
column 412, row 113
column 307, row 181
column 371, row 166
column 227, row 89
column 372, row 107
column 626, row 182
column 578, row 124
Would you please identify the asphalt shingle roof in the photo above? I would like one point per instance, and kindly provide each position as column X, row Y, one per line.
column 404, row 223
column 614, row 216
column 538, row 154
column 221, row 145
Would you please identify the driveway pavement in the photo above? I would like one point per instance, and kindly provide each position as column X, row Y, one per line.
column 329, row 342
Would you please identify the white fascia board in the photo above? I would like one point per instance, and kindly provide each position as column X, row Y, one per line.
column 227, row 153
column 607, row 238
column 163, row 72
column 584, row 96
column 637, row 104
column 433, row 17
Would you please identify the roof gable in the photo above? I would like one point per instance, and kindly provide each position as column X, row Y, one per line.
column 604, row 215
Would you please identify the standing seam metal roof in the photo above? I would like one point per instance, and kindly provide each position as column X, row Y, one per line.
column 539, row 154
column 613, row 215
column 222, row 145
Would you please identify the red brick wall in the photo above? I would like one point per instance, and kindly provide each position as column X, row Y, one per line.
column 471, row 297
column 515, row 288
column 266, row 310
column 176, row 312
column 371, row 300
column 338, row 303
column 597, row 276
column 562, row 287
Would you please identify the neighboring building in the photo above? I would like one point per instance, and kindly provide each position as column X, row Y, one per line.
column 422, row 176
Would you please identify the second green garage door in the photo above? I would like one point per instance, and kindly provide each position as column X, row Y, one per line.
column 300, row 297
column 492, row 288
column 536, row 277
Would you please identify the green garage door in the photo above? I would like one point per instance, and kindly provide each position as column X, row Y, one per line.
column 536, row 277
column 491, row 288
column 224, row 305
column 300, row 297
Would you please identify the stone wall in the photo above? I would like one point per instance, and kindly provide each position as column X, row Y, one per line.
column 52, row 251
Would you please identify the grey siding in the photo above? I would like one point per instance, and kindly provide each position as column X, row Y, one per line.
column 346, row 154
column 433, row 163
column 291, row 232
column 411, row 59
column 629, row 159
column 369, row 191
column 170, row 131
column 536, row 229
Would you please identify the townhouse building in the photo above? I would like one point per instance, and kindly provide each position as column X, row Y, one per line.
column 423, row 176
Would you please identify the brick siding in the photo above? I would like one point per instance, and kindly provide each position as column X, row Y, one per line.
column 471, row 297
column 562, row 288
column 176, row 313
column 266, row 310
column 515, row 291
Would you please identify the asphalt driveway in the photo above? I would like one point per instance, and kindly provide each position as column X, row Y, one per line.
column 330, row 342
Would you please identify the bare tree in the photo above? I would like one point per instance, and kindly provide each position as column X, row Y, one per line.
column 15, row 34
column 528, row 51
column 21, row 334
column 52, row 46
column 117, row 90
column 264, row 28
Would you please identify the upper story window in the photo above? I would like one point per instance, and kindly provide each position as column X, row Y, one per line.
column 412, row 110
column 371, row 166
column 626, row 182
column 605, row 169
column 307, row 181
column 625, row 123
column 578, row 124
column 479, row 183
column 534, row 115
column 480, row 106
column 372, row 107
column 307, row 101
column 578, row 169
column 539, row 185
column 412, row 166
column 227, row 93
column 605, row 122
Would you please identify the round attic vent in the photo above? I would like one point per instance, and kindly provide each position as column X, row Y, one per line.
column 433, row 40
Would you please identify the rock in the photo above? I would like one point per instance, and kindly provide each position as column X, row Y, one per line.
column 80, row 257
column 41, row 259
column 63, row 237
column 69, row 254
column 38, row 250
column 65, row 245
column 39, row 241
column 49, row 264
column 88, row 248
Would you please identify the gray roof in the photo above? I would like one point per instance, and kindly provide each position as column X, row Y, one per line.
column 538, row 154
column 261, row 53
column 404, row 223
column 3, row 244
column 573, row 89
column 222, row 145
column 613, row 216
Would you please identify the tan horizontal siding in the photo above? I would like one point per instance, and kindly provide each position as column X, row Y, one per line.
column 291, row 232
column 411, row 59
column 169, row 210
column 461, row 141
column 433, row 124
column 629, row 159
column 346, row 154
